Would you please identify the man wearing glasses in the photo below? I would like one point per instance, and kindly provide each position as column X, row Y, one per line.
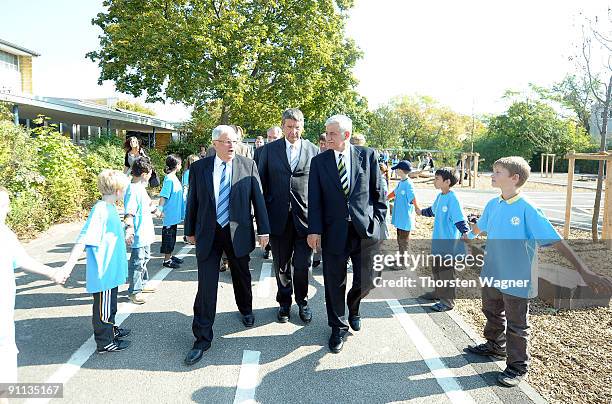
column 222, row 190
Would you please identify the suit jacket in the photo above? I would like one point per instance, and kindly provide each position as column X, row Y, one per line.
column 257, row 153
column 242, row 149
column 329, row 209
column 284, row 188
column 201, row 216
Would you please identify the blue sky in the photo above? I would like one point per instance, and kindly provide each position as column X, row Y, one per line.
column 460, row 52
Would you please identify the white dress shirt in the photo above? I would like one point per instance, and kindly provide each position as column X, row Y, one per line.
column 293, row 152
column 218, row 169
column 346, row 157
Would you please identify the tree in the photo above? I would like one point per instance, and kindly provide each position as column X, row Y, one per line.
column 596, row 62
column 255, row 58
column 134, row 106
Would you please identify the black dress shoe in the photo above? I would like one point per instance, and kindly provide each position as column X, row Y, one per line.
column 355, row 322
column 305, row 313
column 336, row 343
column 194, row 355
column 248, row 320
column 284, row 313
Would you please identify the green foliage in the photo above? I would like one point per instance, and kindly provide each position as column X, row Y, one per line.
column 135, row 107
column 252, row 58
column 29, row 213
column 528, row 129
column 183, row 148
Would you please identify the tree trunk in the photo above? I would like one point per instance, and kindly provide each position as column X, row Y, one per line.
column 224, row 118
column 600, row 171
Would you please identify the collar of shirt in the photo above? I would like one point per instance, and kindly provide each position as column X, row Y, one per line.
column 345, row 154
column 510, row 201
column 297, row 144
column 219, row 162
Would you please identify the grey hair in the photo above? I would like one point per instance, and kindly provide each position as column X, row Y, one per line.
column 221, row 129
column 275, row 129
column 293, row 113
column 343, row 121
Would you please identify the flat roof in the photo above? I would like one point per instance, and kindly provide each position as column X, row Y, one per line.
column 85, row 113
column 16, row 49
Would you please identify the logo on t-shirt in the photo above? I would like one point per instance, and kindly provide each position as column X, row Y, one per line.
column 444, row 209
column 515, row 221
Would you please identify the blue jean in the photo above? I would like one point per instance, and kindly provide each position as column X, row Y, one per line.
column 137, row 268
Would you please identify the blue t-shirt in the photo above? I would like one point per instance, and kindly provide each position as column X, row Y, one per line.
column 515, row 228
column 445, row 238
column 138, row 204
column 104, row 240
column 174, row 208
column 185, row 181
column 404, row 215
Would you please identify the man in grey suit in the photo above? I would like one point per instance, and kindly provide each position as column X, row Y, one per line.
column 346, row 217
column 284, row 166
column 222, row 190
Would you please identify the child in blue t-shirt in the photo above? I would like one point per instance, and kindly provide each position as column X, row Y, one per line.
column 13, row 256
column 103, row 238
column 515, row 228
column 171, row 209
column 137, row 205
column 185, row 180
column 449, row 224
column 403, row 217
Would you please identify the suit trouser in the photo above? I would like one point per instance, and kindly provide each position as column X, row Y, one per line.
column 205, row 304
column 334, row 276
column 103, row 319
column 515, row 339
column 291, row 250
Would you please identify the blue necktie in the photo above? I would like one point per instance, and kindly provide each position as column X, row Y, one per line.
column 223, row 201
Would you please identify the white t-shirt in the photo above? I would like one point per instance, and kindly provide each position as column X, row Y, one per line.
column 11, row 256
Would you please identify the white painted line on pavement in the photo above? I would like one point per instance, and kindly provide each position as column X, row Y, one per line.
column 248, row 378
column 265, row 276
column 443, row 375
column 70, row 368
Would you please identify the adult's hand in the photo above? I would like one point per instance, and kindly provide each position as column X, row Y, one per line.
column 314, row 241
column 263, row 241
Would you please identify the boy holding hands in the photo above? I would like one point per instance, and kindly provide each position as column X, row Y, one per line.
column 522, row 227
column 104, row 241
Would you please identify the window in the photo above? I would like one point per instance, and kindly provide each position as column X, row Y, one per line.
column 9, row 61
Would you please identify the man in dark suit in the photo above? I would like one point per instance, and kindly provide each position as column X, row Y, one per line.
column 274, row 133
column 222, row 190
column 346, row 216
column 284, row 166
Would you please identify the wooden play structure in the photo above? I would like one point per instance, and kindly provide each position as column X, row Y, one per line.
column 606, row 233
column 547, row 170
column 469, row 165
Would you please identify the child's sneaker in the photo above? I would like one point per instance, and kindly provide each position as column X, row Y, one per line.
column 177, row 260
column 171, row 264
column 120, row 332
column 440, row 307
column 148, row 289
column 115, row 346
column 137, row 298
column 486, row 350
column 510, row 377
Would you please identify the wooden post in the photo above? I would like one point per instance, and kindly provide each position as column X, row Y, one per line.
column 476, row 168
column 552, row 167
column 568, row 198
column 469, row 171
column 607, row 217
column 542, row 165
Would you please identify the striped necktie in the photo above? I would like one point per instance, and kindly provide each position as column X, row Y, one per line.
column 294, row 157
column 223, row 201
column 343, row 177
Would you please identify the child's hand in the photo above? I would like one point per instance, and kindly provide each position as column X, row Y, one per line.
column 418, row 211
column 129, row 238
column 64, row 272
column 58, row 276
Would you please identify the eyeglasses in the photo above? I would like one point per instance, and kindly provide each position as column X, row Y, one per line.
column 227, row 142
